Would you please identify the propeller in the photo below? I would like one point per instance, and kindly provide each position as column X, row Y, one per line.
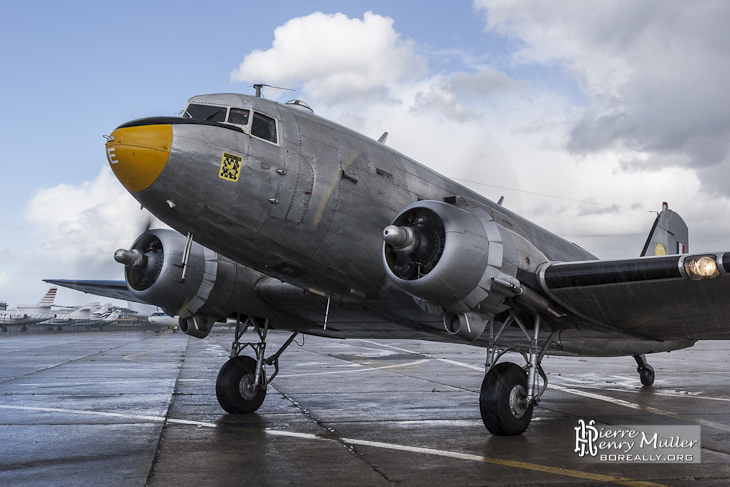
column 143, row 262
column 414, row 246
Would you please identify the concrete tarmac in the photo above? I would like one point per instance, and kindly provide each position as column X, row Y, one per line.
column 139, row 408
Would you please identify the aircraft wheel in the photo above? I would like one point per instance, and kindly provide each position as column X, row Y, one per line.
column 234, row 386
column 646, row 374
column 503, row 400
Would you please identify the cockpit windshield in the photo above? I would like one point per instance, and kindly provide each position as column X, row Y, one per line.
column 208, row 113
column 258, row 124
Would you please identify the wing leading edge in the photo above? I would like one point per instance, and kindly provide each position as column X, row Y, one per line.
column 659, row 298
column 109, row 289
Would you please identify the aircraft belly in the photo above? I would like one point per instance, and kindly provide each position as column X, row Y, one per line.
column 602, row 344
column 350, row 317
column 399, row 317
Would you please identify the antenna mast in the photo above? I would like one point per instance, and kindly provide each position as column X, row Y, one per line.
column 258, row 87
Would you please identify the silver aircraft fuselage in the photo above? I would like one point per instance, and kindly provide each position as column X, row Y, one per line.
column 302, row 203
column 295, row 222
column 308, row 207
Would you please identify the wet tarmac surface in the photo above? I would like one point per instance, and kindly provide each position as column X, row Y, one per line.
column 139, row 408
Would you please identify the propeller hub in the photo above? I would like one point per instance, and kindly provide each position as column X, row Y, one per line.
column 403, row 239
column 130, row 258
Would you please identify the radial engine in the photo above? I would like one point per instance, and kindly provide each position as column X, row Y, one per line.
column 455, row 259
column 186, row 279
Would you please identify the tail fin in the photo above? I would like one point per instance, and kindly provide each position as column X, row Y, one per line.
column 669, row 235
column 113, row 316
column 47, row 300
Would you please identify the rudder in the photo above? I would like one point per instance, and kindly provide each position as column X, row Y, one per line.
column 669, row 235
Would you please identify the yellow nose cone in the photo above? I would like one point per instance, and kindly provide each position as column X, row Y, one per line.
column 137, row 155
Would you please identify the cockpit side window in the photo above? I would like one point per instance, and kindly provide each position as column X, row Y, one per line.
column 238, row 116
column 264, row 127
column 208, row 113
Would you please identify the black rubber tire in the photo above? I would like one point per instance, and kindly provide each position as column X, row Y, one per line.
column 646, row 374
column 231, row 384
column 494, row 400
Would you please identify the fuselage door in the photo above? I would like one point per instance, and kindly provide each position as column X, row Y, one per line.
column 295, row 190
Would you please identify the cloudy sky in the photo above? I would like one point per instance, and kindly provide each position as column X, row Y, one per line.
column 585, row 116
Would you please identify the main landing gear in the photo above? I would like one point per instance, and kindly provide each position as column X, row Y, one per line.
column 241, row 383
column 509, row 392
column 646, row 371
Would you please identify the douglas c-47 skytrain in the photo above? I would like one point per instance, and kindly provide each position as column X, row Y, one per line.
column 286, row 220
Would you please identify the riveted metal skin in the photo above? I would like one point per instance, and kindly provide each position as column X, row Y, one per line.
column 335, row 191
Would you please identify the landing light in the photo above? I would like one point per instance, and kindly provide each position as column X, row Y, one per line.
column 702, row 267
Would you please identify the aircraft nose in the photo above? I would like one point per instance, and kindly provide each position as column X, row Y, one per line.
column 137, row 153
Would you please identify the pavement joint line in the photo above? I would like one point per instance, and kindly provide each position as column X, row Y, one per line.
column 373, row 444
column 365, row 368
column 649, row 409
column 50, row 367
column 445, row 360
column 591, row 395
column 161, row 337
column 672, row 394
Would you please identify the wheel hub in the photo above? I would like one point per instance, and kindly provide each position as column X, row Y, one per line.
column 247, row 386
column 518, row 401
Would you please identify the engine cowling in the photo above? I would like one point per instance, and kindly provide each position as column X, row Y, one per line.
column 455, row 259
column 209, row 288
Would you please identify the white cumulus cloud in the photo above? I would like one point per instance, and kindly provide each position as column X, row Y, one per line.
column 85, row 222
column 627, row 127
column 655, row 73
column 74, row 231
column 335, row 57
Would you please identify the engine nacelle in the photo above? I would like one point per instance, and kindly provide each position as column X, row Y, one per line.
column 456, row 259
column 208, row 288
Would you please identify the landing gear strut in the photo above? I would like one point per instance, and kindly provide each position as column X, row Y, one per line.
column 509, row 392
column 646, row 371
column 241, row 383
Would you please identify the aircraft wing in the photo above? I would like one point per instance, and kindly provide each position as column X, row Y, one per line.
column 109, row 289
column 659, row 298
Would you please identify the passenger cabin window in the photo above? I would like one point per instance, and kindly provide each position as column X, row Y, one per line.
column 264, row 127
column 205, row 112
